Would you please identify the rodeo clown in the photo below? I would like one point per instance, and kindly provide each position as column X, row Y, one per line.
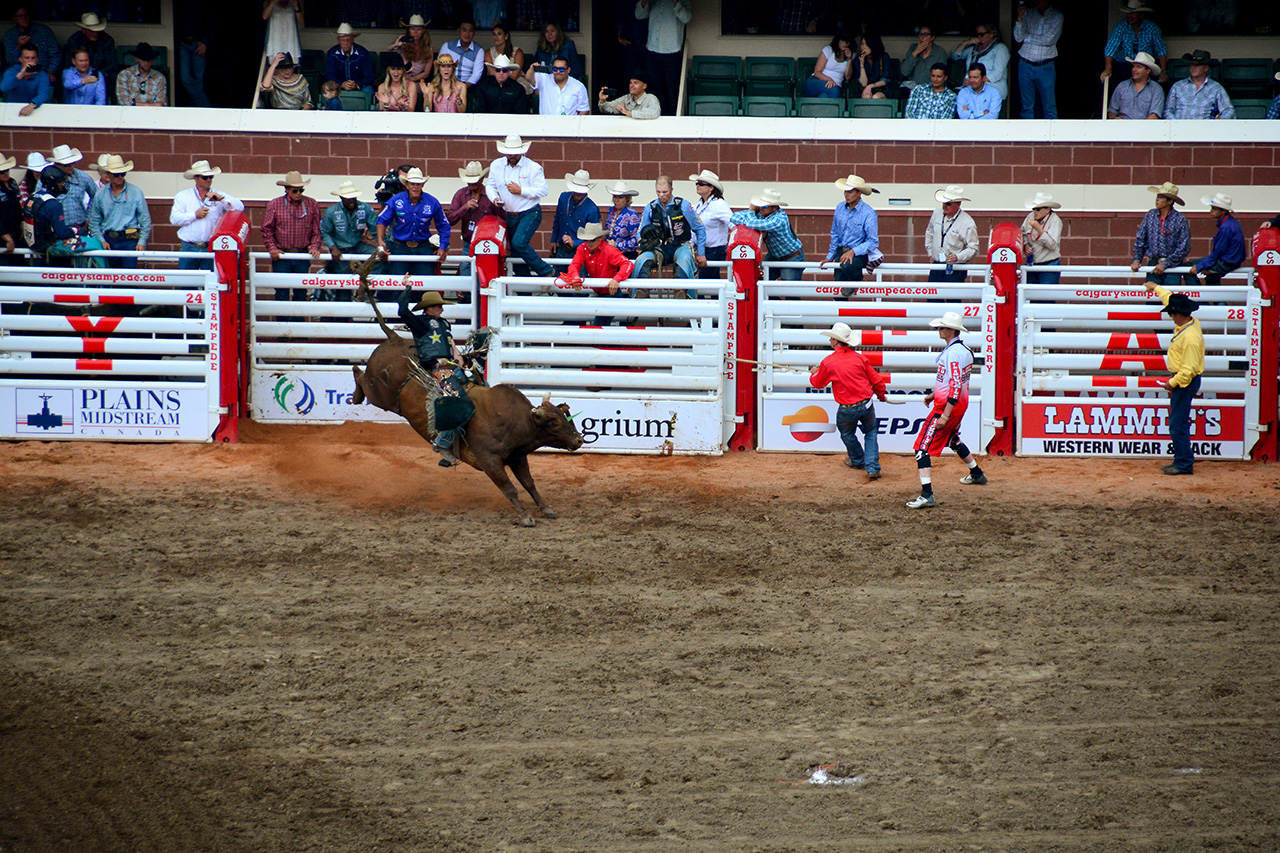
column 433, row 338
column 949, row 398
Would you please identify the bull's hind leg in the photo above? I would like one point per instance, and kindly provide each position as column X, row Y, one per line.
column 520, row 467
column 358, row 396
column 498, row 474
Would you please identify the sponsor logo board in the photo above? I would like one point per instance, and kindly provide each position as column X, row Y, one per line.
column 147, row 412
column 1127, row 428
column 801, row 424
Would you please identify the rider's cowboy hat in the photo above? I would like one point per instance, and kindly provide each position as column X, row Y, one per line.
column 513, row 144
column 853, row 182
column 201, row 169
column 949, row 320
column 580, row 181
column 952, row 192
column 591, row 231
column 1168, row 188
column 431, row 298
column 65, row 155
column 346, row 189
column 1220, row 201
column 415, row 176
column 842, row 333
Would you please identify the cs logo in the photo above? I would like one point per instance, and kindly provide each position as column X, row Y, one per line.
column 809, row 424
column 288, row 394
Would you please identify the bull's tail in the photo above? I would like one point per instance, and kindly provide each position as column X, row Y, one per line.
column 364, row 294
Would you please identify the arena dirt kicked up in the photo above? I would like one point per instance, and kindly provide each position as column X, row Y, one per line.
column 318, row 640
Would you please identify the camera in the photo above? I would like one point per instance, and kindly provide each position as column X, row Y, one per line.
column 387, row 186
column 610, row 93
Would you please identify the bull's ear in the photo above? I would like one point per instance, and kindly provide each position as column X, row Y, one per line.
column 542, row 417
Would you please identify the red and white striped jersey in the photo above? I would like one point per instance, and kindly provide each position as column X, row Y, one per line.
column 955, row 364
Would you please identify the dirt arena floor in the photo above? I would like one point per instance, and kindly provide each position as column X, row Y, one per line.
column 317, row 640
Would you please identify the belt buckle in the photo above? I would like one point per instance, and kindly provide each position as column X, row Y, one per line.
column 412, row 244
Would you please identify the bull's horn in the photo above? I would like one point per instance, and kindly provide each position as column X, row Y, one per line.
column 546, row 398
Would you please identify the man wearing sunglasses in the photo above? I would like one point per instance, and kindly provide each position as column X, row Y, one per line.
column 558, row 93
column 986, row 47
column 197, row 212
column 292, row 225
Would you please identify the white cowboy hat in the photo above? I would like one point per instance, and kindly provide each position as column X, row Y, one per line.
column 1130, row 6
column 1144, row 58
column 346, row 189
column 293, row 179
column 474, row 172
column 201, row 169
column 768, row 197
column 65, row 155
column 36, row 161
column 513, row 144
column 116, row 165
column 1168, row 188
column 842, row 333
column 579, row 181
column 591, row 231
column 949, row 320
column 953, row 192
column 344, row 29
column 1043, row 200
column 415, row 21
column 502, row 61
column 853, row 182
column 1218, row 200
column 102, row 161
column 708, row 177
column 620, row 188
column 90, row 21
column 415, row 176
column 7, row 163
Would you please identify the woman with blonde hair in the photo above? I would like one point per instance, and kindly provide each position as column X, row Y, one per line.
column 445, row 93
column 416, row 50
column 397, row 94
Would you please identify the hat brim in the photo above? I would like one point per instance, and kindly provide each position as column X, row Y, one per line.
column 1124, row 7
column 1209, row 61
column 583, row 234
column 520, row 149
column 472, row 179
column 761, row 201
column 706, row 180
column 123, row 169
column 943, row 324
column 865, row 189
column 66, row 160
column 94, row 28
column 346, row 193
column 1189, row 307
column 423, row 304
column 613, row 191
column 1213, row 202
column 287, row 184
column 1033, row 204
column 1155, row 68
column 8, row 163
column 210, row 173
column 830, row 334
column 1177, row 199
column 943, row 197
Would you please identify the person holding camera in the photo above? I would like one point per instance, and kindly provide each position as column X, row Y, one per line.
column 26, row 82
column 197, row 212
column 637, row 103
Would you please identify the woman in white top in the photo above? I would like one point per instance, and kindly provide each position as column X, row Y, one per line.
column 1042, row 238
column 833, row 68
column 284, row 19
column 714, row 212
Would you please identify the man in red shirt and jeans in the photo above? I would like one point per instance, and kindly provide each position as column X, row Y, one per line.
column 599, row 259
column 854, row 381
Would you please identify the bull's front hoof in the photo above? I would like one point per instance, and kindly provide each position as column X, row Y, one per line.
column 527, row 522
column 549, row 512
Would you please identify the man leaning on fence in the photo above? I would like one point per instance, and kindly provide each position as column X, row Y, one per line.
column 952, row 235
column 767, row 216
column 347, row 229
column 1229, row 249
column 292, row 224
column 198, row 211
column 118, row 214
column 855, row 233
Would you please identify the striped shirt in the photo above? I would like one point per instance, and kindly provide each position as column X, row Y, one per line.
column 1039, row 33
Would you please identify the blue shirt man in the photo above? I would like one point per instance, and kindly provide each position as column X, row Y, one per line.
column 977, row 100
column 1133, row 35
column 348, row 64
column 855, row 232
column 468, row 54
column 118, row 214
column 410, row 214
column 1228, row 249
column 20, row 84
column 679, row 225
column 573, row 210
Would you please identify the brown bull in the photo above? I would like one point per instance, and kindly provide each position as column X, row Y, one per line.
column 501, row 434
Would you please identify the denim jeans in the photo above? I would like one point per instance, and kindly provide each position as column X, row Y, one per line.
column 849, row 419
column 816, row 87
column 1180, row 424
column 1045, row 277
column 195, row 263
column 121, row 245
column 1173, row 279
column 395, row 247
column 679, row 253
column 853, row 270
column 191, row 73
column 714, row 253
column 522, row 227
column 789, row 273
column 943, row 275
column 291, row 294
column 1036, row 82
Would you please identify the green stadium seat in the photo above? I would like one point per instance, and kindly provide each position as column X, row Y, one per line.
column 873, row 108
column 820, row 107
column 713, row 105
column 715, row 75
column 1246, row 78
column 357, row 101
column 1251, row 108
column 311, row 60
column 769, row 75
column 766, row 106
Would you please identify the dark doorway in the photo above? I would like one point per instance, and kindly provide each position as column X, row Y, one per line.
column 611, row 61
column 1084, row 35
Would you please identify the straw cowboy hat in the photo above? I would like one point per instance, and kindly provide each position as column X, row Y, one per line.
column 591, row 231
column 201, row 169
column 1131, row 6
column 65, row 155
column 415, row 176
column 344, row 29
column 1043, row 200
column 293, row 179
column 853, row 182
column 1218, row 200
column 513, row 144
column 620, row 188
column 579, row 181
column 415, row 21
column 91, row 22
column 102, row 161
column 36, row 162
column 949, row 320
column 445, row 59
column 842, row 333
column 768, row 197
column 707, row 177
column 116, row 165
column 474, row 172
column 1144, row 58
column 346, row 189
column 502, row 61
column 430, row 299
column 1167, row 188
column 953, row 192
column 7, row 163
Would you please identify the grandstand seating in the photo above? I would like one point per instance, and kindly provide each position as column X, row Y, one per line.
column 767, row 106
column 873, row 108
column 769, row 75
column 715, row 75
column 1246, row 78
column 713, row 105
column 1251, row 108
column 357, row 101
column 820, row 108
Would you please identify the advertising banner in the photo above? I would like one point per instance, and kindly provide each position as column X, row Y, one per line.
column 45, row 409
column 1129, row 428
column 807, row 422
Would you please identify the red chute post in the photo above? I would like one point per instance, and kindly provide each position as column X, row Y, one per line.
column 1000, row 339
column 489, row 254
column 1266, row 264
column 744, row 253
column 231, row 263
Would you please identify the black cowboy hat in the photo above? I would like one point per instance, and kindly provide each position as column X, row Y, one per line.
column 1200, row 57
column 144, row 51
column 1180, row 303
column 639, row 74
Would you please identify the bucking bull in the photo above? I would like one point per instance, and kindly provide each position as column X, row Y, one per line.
column 501, row 434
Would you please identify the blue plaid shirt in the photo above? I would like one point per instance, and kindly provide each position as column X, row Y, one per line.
column 779, row 239
column 1273, row 112
column 1186, row 101
column 1124, row 42
column 1169, row 241
column 926, row 103
column 74, row 206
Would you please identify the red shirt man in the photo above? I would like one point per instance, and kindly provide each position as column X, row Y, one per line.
column 599, row 259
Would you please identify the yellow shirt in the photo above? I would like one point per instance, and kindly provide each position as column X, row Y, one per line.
column 1185, row 359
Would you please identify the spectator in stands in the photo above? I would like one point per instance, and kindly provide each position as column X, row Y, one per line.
column 622, row 222
column 1163, row 237
column 284, row 20
column 1132, row 36
column 516, row 183
column 468, row 55
column 397, row 94
column 1138, row 98
column 348, row 64
column 558, row 93
column 977, row 100
column 597, row 258
column 10, row 213
column 140, row 85
column 469, row 205
column 501, row 92
column 637, row 103
column 855, row 233
column 27, row 32
column 411, row 214
column 781, row 243
column 118, row 215
column 330, row 97
column 193, row 28
column 573, row 210
column 1273, row 111
column 1042, row 238
column 986, row 47
column 832, row 70
column 1229, row 249
column 1038, row 29
column 292, row 225
column 677, row 226
column 288, row 90
column 952, row 235
column 81, row 186
column 934, row 101
column 667, row 20
column 919, row 61
column 415, row 47
column 347, row 228
column 504, row 49
column 714, row 213
column 26, row 81
column 553, row 44
column 445, row 93
column 83, row 84
column 1198, row 97
column 198, row 211
column 92, row 36
column 872, row 75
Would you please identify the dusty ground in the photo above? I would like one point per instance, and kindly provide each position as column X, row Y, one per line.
column 318, row 640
